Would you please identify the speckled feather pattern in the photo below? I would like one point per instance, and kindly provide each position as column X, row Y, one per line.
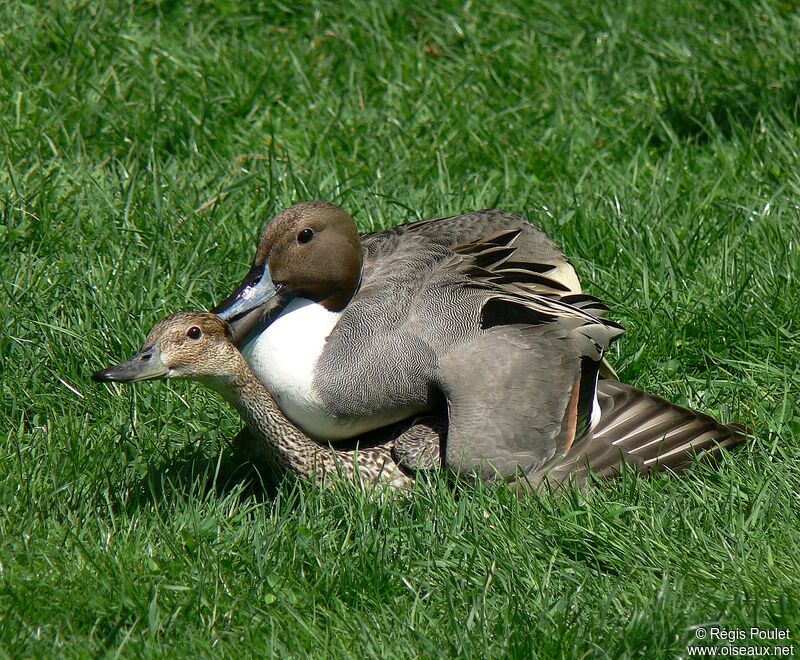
column 289, row 448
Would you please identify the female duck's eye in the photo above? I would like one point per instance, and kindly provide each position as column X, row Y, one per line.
column 194, row 332
column 305, row 235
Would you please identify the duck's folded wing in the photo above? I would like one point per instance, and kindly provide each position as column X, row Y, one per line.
column 642, row 430
column 514, row 400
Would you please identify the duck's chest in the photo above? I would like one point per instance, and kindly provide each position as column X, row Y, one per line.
column 284, row 358
column 337, row 382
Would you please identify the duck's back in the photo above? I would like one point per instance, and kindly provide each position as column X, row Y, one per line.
column 426, row 238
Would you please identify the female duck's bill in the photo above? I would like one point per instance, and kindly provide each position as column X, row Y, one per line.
column 145, row 365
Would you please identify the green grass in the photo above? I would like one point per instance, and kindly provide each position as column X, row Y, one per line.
column 656, row 141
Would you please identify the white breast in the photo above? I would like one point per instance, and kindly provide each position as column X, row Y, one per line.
column 284, row 357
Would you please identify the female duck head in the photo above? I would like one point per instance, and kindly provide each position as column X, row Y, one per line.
column 311, row 251
column 185, row 345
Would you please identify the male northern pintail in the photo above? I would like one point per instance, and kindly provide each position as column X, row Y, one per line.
column 199, row 346
column 480, row 315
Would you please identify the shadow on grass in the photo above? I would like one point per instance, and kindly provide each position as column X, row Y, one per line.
column 239, row 468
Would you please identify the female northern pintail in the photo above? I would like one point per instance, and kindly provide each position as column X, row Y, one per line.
column 479, row 314
column 199, row 346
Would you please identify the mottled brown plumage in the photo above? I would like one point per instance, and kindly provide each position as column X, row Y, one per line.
column 199, row 346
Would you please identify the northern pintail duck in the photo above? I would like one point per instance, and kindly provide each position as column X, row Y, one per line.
column 480, row 315
column 199, row 346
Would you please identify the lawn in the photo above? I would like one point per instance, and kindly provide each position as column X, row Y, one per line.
column 142, row 148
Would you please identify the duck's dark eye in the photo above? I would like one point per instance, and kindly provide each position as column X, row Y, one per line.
column 194, row 332
column 305, row 235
